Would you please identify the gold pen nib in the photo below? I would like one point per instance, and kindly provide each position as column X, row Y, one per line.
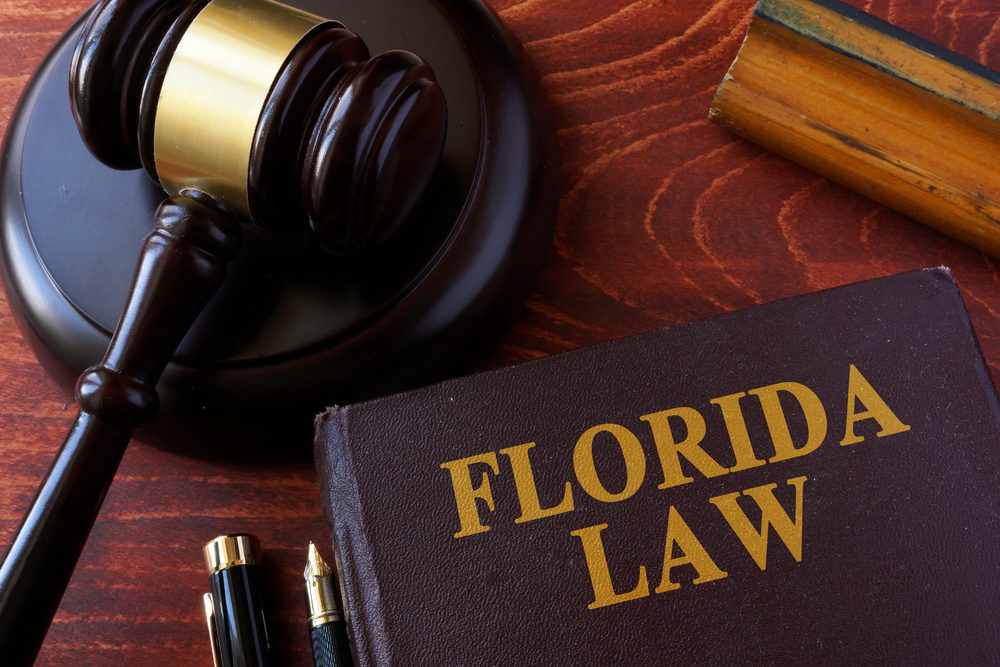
column 321, row 590
column 315, row 565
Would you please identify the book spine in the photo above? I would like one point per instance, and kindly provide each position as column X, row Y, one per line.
column 342, row 506
column 872, row 107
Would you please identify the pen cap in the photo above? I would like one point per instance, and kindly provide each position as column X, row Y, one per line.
column 229, row 550
column 236, row 578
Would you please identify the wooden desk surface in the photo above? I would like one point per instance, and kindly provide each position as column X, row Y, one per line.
column 664, row 218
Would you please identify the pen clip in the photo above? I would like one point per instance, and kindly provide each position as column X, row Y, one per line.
column 213, row 633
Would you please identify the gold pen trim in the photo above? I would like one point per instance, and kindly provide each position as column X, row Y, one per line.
column 213, row 632
column 230, row 550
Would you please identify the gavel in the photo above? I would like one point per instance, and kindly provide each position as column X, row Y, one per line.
column 246, row 112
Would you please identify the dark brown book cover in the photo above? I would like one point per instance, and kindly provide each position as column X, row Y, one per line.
column 809, row 481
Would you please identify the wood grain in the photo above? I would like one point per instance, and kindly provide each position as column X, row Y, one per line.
column 664, row 218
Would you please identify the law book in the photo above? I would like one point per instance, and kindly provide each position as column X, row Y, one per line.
column 813, row 480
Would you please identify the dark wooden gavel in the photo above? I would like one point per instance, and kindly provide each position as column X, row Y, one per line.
column 297, row 126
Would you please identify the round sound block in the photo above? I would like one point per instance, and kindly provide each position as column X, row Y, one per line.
column 293, row 330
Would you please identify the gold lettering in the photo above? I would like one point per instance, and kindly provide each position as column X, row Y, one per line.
column 586, row 471
column 694, row 554
column 813, row 410
column 600, row 575
column 670, row 450
column 858, row 389
column 527, row 492
column 738, row 436
column 465, row 494
column 772, row 514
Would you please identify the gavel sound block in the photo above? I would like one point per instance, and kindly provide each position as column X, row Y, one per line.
column 291, row 328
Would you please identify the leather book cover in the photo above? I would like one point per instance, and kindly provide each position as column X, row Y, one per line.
column 813, row 480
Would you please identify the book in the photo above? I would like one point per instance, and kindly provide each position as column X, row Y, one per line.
column 811, row 480
column 873, row 107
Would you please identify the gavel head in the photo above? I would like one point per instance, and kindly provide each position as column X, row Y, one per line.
column 278, row 115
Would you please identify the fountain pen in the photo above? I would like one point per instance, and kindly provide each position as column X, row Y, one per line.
column 327, row 625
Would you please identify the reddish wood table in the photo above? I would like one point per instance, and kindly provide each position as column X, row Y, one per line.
column 664, row 218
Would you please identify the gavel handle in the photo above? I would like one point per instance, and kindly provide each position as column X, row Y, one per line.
column 182, row 264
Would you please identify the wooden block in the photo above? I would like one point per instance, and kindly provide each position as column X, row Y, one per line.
column 907, row 123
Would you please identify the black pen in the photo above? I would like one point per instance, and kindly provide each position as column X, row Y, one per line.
column 235, row 608
column 327, row 624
